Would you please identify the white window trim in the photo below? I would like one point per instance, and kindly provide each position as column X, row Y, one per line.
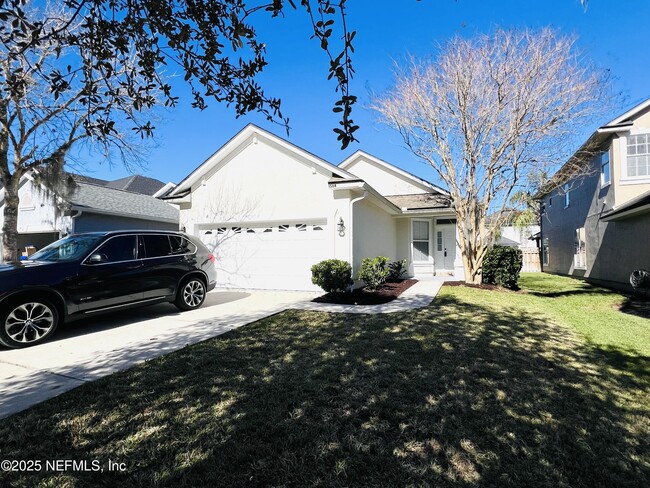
column 430, row 258
column 625, row 179
column 582, row 265
column 603, row 183
column 566, row 189
column 546, row 256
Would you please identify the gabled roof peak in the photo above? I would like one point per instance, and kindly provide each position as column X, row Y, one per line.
column 385, row 165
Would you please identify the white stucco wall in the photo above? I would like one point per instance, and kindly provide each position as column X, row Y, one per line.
column 262, row 182
column 36, row 212
column 382, row 179
column 265, row 185
column 375, row 233
column 516, row 237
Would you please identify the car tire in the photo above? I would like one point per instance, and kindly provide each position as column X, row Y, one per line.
column 191, row 294
column 27, row 322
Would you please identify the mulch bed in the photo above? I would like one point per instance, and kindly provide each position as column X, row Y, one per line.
column 384, row 294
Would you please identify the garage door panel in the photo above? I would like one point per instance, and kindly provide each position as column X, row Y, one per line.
column 277, row 259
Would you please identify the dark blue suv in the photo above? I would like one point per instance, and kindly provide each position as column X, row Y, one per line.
column 86, row 274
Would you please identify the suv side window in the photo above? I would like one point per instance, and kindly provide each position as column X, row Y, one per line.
column 120, row 248
column 180, row 245
column 156, row 245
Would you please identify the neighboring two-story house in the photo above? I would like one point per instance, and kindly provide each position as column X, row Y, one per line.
column 597, row 225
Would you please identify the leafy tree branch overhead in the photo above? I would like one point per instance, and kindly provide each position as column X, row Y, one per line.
column 213, row 42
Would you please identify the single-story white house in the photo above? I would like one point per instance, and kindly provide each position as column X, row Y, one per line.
column 269, row 210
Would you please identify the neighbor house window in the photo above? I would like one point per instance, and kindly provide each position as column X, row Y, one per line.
column 567, row 198
column 580, row 249
column 420, row 240
column 638, row 155
column 605, row 178
column 545, row 251
column 543, row 209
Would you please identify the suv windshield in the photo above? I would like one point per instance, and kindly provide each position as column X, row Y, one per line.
column 67, row 249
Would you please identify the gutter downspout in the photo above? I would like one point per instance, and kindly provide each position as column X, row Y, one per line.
column 72, row 217
column 352, row 202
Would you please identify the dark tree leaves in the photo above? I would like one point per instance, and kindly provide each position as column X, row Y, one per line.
column 213, row 42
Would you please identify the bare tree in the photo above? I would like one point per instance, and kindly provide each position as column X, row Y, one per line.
column 490, row 115
column 38, row 127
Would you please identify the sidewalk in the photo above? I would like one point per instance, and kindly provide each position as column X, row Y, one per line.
column 419, row 295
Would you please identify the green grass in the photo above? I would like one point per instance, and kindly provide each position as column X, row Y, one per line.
column 592, row 311
column 480, row 389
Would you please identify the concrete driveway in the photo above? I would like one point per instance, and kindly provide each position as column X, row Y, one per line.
column 91, row 348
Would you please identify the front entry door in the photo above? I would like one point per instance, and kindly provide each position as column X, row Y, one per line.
column 445, row 243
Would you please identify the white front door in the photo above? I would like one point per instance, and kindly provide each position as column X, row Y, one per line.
column 445, row 247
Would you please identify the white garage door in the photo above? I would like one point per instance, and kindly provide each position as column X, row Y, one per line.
column 274, row 256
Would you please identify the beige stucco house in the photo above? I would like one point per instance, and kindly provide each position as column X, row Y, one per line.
column 269, row 210
column 597, row 226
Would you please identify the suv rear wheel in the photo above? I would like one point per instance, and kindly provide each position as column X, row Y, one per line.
column 191, row 294
column 27, row 322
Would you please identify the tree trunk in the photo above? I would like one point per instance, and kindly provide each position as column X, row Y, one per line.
column 469, row 240
column 10, row 225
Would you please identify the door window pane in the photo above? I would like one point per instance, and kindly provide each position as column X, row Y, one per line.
column 120, row 248
column 156, row 245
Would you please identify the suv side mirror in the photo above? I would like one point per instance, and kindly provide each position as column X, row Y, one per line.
column 97, row 258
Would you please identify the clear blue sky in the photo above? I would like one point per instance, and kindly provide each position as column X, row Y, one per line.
column 611, row 32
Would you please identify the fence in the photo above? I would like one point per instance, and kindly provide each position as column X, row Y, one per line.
column 530, row 260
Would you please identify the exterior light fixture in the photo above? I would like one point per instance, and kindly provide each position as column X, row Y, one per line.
column 341, row 227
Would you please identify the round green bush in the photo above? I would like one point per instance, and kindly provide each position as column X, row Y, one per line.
column 332, row 275
column 501, row 266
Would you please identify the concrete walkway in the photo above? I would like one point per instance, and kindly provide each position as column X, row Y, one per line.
column 419, row 295
column 86, row 350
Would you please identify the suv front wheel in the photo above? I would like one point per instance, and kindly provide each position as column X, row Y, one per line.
column 191, row 294
column 27, row 322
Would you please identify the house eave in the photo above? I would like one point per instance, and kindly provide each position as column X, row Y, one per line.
column 91, row 210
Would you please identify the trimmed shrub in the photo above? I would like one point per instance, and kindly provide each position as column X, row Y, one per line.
column 396, row 269
column 501, row 266
column 332, row 275
column 374, row 272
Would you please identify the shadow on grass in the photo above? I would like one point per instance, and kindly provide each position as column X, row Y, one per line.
column 451, row 395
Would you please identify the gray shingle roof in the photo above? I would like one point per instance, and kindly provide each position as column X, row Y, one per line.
column 420, row 201
column 101, row 199
column 137, row 184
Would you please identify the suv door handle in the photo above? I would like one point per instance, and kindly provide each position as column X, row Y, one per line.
column 135, row 266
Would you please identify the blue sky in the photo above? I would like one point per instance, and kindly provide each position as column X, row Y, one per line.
column 611, row 32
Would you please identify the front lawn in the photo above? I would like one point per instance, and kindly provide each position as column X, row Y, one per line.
column 482, row 388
